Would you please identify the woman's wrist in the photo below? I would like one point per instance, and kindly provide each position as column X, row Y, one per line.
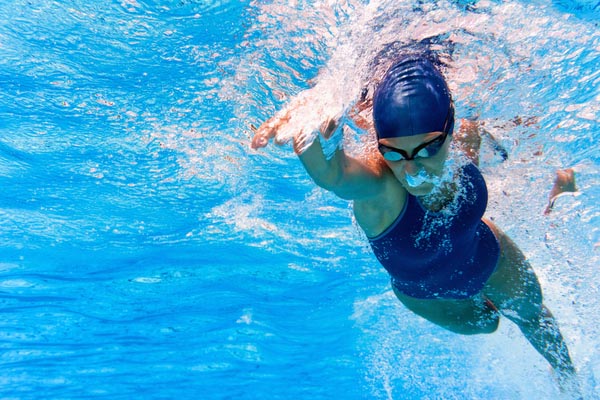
column 333, row 142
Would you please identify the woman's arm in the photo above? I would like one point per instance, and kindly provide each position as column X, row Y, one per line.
column 346, row 176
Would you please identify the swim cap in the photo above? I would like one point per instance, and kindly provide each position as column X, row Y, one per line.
column 413, row 98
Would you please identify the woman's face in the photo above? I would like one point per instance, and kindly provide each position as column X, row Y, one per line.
column 427, row 153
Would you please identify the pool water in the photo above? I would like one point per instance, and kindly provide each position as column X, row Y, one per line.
column 146, row 252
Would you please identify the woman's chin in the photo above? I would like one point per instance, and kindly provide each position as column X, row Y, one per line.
column 421, row 190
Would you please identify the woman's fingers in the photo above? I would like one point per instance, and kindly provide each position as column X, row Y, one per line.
column 259, row 141
column 268, row 130
column 328, row 127
column 264, row 133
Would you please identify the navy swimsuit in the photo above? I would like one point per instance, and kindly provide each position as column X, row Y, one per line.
column 448, row 254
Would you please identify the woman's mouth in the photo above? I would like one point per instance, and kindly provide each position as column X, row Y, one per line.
column 421, row 178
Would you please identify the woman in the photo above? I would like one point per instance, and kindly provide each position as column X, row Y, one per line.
column 422, row 213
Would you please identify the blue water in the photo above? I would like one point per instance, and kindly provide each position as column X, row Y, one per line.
column 146, row 252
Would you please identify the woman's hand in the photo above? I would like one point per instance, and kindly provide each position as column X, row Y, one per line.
column 328, row 127
column 306, row 139
column 268, row 130
column 302, row 139
column 301, row 120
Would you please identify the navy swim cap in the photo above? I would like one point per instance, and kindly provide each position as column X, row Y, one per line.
column 413, row 98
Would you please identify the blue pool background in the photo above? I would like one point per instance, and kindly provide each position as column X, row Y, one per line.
column 147, row 252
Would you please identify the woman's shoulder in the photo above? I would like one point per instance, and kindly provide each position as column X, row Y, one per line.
column 472, row 195
column 375, row 214
column 473, row 176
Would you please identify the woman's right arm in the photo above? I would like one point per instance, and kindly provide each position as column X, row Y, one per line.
column 346, row 176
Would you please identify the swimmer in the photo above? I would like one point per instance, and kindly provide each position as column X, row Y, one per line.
column 422, row 212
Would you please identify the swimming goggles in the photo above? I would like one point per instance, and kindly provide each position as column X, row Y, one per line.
column 424, row 150
column 427, row 149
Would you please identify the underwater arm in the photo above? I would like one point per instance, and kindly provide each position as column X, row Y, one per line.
column 347, row 177
column 320, row 151
column 469, row 138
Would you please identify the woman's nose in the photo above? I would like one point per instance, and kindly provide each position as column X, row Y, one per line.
column 411, row 167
